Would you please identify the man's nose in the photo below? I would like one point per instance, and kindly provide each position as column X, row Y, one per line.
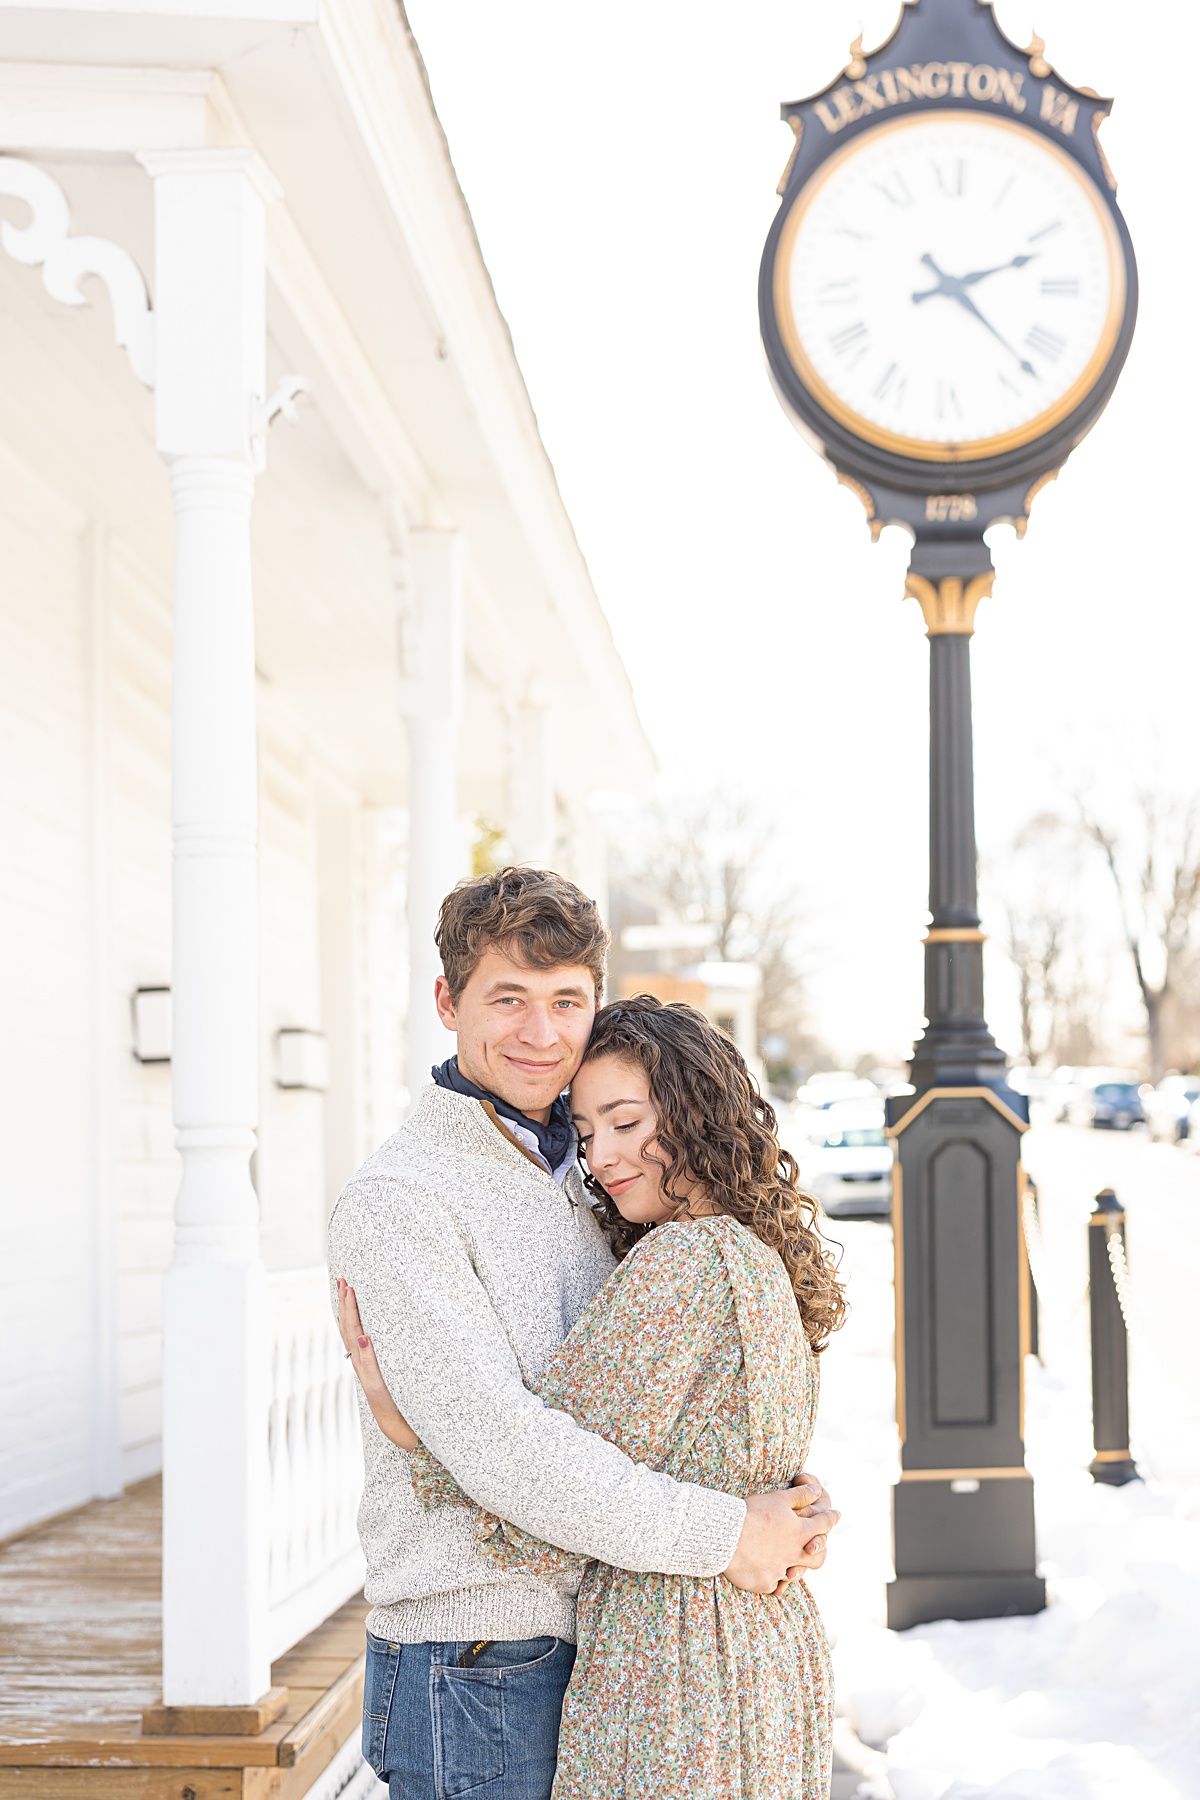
column 539, row 1028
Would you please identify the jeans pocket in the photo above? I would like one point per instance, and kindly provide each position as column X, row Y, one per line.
column 513, row 1655
column 468, row 1729
column 379, row 1684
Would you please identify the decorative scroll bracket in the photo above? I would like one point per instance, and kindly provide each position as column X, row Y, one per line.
column 281, row 404
column 65, row 260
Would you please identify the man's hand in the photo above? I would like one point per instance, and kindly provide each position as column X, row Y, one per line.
column 778, row 1542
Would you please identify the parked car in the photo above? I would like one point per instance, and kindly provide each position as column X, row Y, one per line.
column 825, row 1087
column 848, row 1166
column 1035, row 1084
column 1107, row 1105
column 1167, row 1107
column 1061, row 1089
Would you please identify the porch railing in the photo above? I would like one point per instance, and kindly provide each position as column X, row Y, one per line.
column 316, row 1460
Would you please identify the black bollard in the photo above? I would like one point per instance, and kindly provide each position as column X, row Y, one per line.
column 1112, row 1462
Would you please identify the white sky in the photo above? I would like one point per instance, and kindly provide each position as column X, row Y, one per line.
column 620, row 160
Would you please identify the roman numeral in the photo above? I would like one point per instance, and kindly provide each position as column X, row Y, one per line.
column 898, row 193
column 1046, row 231
column 838, row 293
column 947, row 399
column 848, row 338
column 891, row 385
column 951, row 178
column 1045, row 343
column 1064, row 290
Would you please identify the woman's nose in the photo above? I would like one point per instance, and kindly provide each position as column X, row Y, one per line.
column 602, row 1155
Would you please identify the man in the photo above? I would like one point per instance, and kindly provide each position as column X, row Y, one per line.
column 472, row 1250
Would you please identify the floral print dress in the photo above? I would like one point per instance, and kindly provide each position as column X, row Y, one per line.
column 693, row 1360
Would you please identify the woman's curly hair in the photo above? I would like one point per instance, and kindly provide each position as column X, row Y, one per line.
column 715, row 1128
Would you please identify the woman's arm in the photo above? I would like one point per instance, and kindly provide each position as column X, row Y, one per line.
column 361, row 1351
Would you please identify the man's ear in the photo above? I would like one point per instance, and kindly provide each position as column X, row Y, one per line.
column 447, row 1012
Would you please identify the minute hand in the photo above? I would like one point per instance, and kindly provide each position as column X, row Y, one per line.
column 966, row 301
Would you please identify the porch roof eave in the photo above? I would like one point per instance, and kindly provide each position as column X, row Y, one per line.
column 383, row 298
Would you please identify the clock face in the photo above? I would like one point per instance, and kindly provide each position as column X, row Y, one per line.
column 949, row 286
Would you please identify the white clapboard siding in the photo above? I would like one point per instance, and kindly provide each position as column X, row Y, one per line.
column 46, row 1078
column 290, row 1164
column 145, row 1166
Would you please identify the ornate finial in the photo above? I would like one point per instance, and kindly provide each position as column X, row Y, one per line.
column 1037, row 62
column 856, row 68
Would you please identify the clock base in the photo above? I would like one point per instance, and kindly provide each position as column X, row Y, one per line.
column 924, row 1599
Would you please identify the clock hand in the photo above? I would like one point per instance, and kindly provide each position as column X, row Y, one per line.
column 966, row 301
column 950, row 284
column 1017, row 262
column 953, row 287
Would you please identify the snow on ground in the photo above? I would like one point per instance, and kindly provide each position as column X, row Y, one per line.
column 1099, row 1696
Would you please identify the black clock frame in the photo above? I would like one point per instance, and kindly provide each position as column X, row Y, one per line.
column 942, row 39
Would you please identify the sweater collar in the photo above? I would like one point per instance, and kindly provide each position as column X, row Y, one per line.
column 553, row 1143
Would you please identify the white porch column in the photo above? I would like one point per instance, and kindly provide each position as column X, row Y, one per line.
column 533, row 825
column 210, row 308
column 431, row 704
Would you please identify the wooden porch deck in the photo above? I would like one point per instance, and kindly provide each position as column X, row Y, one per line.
column 80, row 1617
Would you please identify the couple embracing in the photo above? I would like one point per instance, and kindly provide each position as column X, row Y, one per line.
column 584, row 1298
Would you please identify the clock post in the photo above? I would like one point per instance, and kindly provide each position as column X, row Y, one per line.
column 947, row 297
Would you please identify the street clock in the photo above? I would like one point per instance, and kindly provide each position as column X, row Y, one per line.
column 948, row 292
column 947, row 297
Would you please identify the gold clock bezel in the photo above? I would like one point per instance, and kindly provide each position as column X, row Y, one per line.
column 925, row 449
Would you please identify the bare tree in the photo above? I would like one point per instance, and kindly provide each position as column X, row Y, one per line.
column 1034, row 940
column 1038, row 924
column 1060, row 982
column 1154, row 863
column 708, row 861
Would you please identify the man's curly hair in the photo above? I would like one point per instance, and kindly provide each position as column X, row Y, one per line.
column 715, row 1128
column 538, row 918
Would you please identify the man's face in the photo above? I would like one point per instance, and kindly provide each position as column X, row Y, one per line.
column 521, row 1032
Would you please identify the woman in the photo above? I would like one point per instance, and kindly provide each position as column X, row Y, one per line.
column 697, row 1357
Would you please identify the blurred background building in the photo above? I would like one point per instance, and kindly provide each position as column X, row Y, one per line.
column 249, row 208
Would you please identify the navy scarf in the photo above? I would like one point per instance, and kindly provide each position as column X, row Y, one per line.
column 555, row 1139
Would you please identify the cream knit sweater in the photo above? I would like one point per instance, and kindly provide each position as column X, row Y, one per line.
column 471, row 1265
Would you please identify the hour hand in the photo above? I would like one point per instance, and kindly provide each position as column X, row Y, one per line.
column 1016, row 262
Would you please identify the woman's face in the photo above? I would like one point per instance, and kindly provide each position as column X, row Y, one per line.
column 616, row 1121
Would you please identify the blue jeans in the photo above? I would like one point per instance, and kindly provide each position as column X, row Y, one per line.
column 435, row 1731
